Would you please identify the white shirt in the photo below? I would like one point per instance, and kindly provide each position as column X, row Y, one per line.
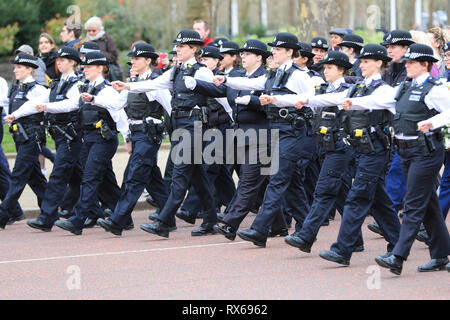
column 299, row 82
column 4, row 101
column 316, row 80
column 163, row 81
column 70, row 104
column 35, row 94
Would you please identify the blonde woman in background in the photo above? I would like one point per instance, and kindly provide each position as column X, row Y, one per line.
column 438, row 39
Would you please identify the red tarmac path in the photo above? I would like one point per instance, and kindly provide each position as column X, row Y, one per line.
column 37, row 265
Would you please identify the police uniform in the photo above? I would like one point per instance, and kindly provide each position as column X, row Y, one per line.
column 422, row 156
column 145, row 115
column 100, row 143
column 27, row 133
column 321, row 43
column 187, row 115
column 335, row 176
column 287, row 79
column 357, row 43
column 369, row 135
column 232, row 48
column 64, row 130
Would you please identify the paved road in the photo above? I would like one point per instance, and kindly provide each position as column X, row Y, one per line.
column 98, row 265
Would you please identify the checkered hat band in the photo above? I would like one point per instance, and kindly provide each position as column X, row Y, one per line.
column 94, row 60
column 415, row 55
column 400, row 39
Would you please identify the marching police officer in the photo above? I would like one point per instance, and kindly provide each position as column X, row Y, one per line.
column 145, row 114
column 319, row 49
column 27, row 133
column 230, row 64
column 351, row 45
column 186, row 115
column 288, row 79
column 100, row 141
column 64, row 130
column 422, row 156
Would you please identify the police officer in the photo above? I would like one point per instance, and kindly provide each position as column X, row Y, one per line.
column 27, row 133
column 422, row 156
column 64, row 130
column 319, row 49
column 335, row 177
column 288, row 79
column 100, row 141
column 186, row 115
column 230, row 64
column 336, row 37
column 145, row 115
column 369, row 135
column 351, row 45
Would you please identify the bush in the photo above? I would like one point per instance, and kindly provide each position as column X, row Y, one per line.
column 7, row 35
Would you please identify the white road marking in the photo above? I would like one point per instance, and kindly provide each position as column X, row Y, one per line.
column 120, row 253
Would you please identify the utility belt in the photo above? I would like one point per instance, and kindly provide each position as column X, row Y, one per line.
column 21, row 132
column 151, row 126
column 364, row 138
column 69, row 131
column 427, row 142
column 103, row 129
column 286, row 115
column 327, row 137
column 197, row 114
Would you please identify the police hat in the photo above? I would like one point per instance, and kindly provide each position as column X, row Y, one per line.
column 319, row 42
column 339, row 31
column 174, row 50
column 69, row 53
column 211, row 52
column 229, row 47
column 383, row 43
column 352, row 41
column 187, row 36
column 420, row 52
column 446, row 47
column 255, row 46
column 94, row 58
column 337, row 58
column 374, row 51
column 306, row 50
column 285, row 40
column 89, row 46
column 219, row 41
column 143, row 50
column 399, row 37
column 26, row 60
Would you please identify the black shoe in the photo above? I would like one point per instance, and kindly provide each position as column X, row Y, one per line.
column 3, row 222
column 185, row 216
column 90, row 223
column 65, row 214
column 392, row 262
column 331, row 216
column 68, row 226
column 422, row 236
column 226, row 231
column 373, row 226
column 129, row 227
column 281, row 233
column 334, row 257
column 108, row 212
column 159, row 228
column 151, row 201
column 220, row 217
column 254, row 236
column 448, row 267
column 203, row 231
column 358, row 248
column 36, row 224
column 110, row 226
column 153, row 216
column 16, row 219
column 298, row 242
column 434, row 265
column 325, row 223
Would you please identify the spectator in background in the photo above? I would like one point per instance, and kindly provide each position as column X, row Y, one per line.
column 70, row 34
column 48, row 54
column 422, row 38
column 438, row 39
column 202, row 27
column 40, row 71
column 96, row 33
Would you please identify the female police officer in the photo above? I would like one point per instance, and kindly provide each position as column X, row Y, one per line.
column 100, row 141
column 186, row 115
column 422, row 156
column 63, row 128
column 27, row 133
